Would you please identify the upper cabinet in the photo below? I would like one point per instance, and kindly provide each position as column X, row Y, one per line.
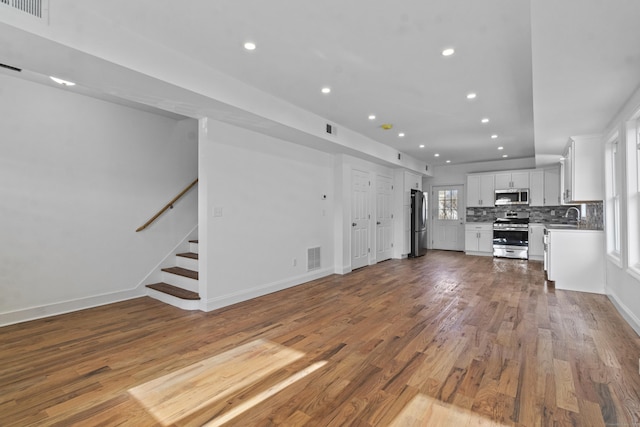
column 544, row 188
column 505, row 180
column 480, row 190
column 543, row 185
column 582, row 170
column 552, row 187
column 536, row 188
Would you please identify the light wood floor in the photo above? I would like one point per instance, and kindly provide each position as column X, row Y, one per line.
column 445, row 339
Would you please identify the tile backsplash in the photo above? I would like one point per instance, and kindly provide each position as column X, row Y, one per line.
column 591, row 213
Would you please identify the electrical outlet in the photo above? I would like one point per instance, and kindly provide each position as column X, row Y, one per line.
column 295, row 262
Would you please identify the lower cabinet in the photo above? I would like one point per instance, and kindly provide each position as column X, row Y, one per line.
column 536, row 243
column 576, row 260
column 478, row 239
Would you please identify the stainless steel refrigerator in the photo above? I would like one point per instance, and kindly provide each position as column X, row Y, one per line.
column 418, row 224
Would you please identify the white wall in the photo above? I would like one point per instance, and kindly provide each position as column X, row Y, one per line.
column 78, row 177
column 621, row 286
column 269, row 194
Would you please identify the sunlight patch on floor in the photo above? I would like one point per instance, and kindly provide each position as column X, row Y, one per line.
column 260, row 397
column 423, row 410
column 185, row 391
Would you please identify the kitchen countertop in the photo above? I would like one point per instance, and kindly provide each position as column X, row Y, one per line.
column 569, row 227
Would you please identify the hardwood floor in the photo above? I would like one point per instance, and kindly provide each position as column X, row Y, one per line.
column 442, row 340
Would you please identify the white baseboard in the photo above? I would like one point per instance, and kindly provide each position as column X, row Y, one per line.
column 258, row 291
column 625, row 312
column 343, row 270
column 32, row 313
column 62, row 307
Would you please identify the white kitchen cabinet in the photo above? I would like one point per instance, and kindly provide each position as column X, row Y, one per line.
column 536, row 188
column 536, row 243
column 480, row 190
column 544, row 188
column 505, row 180
column 576, row 259
column 582, row 170
column 478, row 239
column 552, row 187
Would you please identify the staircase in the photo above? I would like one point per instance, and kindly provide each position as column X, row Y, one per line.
column 179, row 286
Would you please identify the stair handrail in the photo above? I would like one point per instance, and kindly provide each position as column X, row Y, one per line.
column 167, row 206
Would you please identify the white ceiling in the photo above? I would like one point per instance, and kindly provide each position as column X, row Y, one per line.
column 542, row 70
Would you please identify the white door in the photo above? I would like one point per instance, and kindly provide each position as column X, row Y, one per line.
column 359, row 219
column 384, row 218
column 448, row 217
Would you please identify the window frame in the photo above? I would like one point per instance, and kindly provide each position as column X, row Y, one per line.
column 613, row 199
column 632, row 155
column 443, row 208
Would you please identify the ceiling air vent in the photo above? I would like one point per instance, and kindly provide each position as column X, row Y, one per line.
column 331, row 130
column 9, row 67
column 37, row 8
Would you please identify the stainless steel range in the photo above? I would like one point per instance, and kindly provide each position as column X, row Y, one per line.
column 511, row 235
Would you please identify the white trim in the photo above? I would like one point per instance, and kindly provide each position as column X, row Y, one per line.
column 343, row 270
column 615, row 258
column 628, row 315
column 69, row 306
column 634, row 271
column 258, row 291
column 63, row 307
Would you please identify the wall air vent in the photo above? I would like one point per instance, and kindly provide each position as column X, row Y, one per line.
column 313, row 259
column 37, row 8
column 9, row 67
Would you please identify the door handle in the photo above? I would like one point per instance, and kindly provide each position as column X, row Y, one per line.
column 378, row 223
column 353, row 224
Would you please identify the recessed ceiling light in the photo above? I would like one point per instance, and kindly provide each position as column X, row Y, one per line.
column 448, row 51
column 500, row 148
column 505, row 155
column 250, row 46
column 494, row 136
column 448, row 161
column 401, row 134
column 62, row 82
column 471, row 95
column 372, row 117
column 436, row 155
column 485, row 120
column 421, row 145
column 326, row 90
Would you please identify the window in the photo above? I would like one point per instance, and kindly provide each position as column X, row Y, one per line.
column 615, row 196
column 633, row 196
column 613, row 177
column 448, row 204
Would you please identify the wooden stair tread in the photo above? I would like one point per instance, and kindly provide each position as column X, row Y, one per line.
column 174, row 291
column 191, row 255
column 182, row 272
column 193, row 241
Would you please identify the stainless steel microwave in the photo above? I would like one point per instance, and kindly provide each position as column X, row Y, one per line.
column 512, row 196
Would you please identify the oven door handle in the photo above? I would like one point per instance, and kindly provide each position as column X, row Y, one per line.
column 511, row 229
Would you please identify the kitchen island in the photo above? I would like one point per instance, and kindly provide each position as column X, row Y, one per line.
column 574, row 258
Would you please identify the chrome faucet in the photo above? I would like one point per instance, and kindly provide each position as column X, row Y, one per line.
column 566, row 215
